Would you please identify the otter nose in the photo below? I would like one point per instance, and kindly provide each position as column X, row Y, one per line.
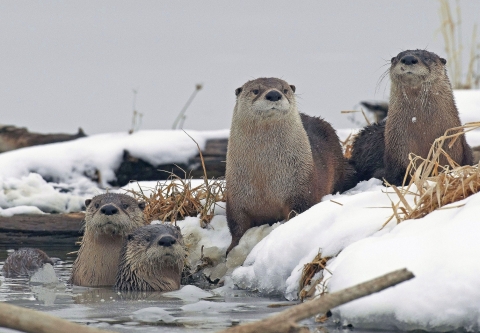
column 109, row 210
column 273, row 96
column 167, row 241
column 409, row 60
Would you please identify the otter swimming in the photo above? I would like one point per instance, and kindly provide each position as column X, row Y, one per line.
column 152, row 259
column 109, row 219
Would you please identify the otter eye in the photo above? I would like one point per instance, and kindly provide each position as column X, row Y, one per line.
column 130, row 237
column 285, row 91
column 255, row 91
column 147, row 239
column 125, row 206
column 97, row 205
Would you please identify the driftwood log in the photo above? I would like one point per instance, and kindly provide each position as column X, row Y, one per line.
column 31, row 321
column 286, row 321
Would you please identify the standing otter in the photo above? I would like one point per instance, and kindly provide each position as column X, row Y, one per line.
column 278, row 160
column 152, row 259
column 421, row 109
column 25, row 262
column 109, row 219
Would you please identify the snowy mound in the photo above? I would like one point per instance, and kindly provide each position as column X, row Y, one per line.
column 55, row 177
column 441, row 249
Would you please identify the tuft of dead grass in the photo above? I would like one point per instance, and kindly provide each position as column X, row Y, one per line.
column 307, row 286
column 176, row 198
column 347, row 145
column 434, row 185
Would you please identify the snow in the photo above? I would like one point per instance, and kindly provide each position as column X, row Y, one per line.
column 274, row 266
column 189, row 294
column 24, row 172
column 65, row 161
column 441, row 249
column 152, row 315
column 468, row 104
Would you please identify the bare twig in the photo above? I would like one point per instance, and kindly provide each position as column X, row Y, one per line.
column 285, row 321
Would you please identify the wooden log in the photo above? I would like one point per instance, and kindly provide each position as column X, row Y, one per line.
column 31, row 321
column 285, row 321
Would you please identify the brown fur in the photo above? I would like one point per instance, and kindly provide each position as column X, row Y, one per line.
column 99, row 255
column 422, row 90
column 271, row 170
column 12, row 138
column 24, row 262
column 147, row 263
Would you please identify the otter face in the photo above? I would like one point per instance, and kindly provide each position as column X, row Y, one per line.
column 158, row 245
column 413, row 67
column 266, row 96
column 113, row 214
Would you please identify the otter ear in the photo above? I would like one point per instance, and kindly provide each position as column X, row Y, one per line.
column 87, row 202
column 392, row 60
column 130, row 237
column 444, row 61
column 141, row 205
column 293, row 87
column 238, row 91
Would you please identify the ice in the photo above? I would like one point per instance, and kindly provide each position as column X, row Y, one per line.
column 44, row 275
column 152, row 315
column 27, row 210
column 189, row 294
column 210, row 307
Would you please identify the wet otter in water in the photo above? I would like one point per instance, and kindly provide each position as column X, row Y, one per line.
column 421, row 109
column 279, row 161
column 152, row 259
column 109, row 219
column 25, row 262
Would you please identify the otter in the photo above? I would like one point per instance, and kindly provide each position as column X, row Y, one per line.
column 109, row 219
column 279, row 161
column 152, row 259
column 25, row 262
column 421, row 109
column 12, row 138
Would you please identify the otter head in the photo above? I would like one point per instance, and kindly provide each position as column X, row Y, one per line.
column 152, row 258
column 113, row 214
column 265, row 97
column 159, row 245
column 414, row 67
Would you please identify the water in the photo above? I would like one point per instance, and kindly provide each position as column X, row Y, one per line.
column 131, row 312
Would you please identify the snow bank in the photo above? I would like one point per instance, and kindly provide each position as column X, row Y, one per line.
column 54, row 177
column 31, row 194
column 441, row 249
column 275, row 264
column 65, row 161
column 468, row 104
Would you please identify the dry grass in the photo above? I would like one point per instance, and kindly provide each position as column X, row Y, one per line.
column 307, row 287
column 347, row 145
column 433, row 185
column 176, row 198
column 452, row 36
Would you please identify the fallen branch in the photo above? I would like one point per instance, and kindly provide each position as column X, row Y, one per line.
column 285, row 321
column 31, row 321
